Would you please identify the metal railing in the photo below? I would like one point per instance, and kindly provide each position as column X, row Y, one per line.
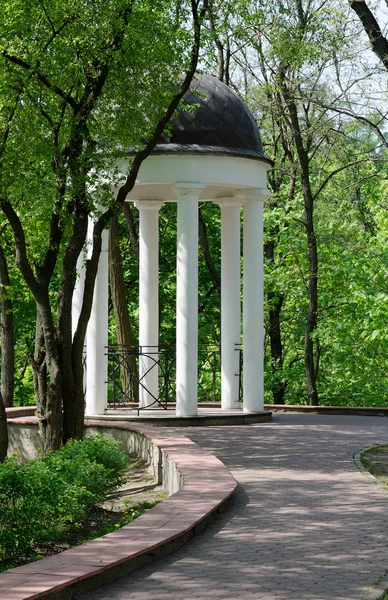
column 125, row 379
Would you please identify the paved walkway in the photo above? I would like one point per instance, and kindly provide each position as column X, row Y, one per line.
column 304, row 525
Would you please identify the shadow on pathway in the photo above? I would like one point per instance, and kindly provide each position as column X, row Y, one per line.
column 305, row 524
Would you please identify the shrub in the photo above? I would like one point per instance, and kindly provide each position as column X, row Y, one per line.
column 42, row 499
column 94, row 463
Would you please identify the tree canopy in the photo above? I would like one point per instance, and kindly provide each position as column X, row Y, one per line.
column 81, row 81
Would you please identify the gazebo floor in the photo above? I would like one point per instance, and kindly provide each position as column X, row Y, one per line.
column 210, row 416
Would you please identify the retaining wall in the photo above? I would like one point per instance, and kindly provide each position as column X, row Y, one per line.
column 199, row 486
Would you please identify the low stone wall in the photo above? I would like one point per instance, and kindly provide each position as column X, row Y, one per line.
column 199, row 486
column 25, row 442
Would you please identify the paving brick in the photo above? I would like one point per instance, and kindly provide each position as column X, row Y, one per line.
column 305, row 524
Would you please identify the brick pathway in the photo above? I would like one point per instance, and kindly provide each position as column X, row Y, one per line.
column 304, row 525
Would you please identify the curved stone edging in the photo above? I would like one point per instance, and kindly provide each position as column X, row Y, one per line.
column 382, row 586
column 206, row 485
column 362, row 411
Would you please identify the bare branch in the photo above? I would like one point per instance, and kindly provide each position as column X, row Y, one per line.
column 335, row 172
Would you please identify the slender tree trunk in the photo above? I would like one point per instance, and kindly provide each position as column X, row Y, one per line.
column 275, row 302
column 217, row 42
column 311, row 353
column 132, row 228
column 72, row 161
column 204, row 243
column 128, row 366
column 7, row 335
column 3, row 431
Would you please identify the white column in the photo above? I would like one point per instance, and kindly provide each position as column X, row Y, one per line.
column 78, row 294
column 230, row 301
column 253, row 301
column 187, row 299
column 97, row 339
column 148, row 300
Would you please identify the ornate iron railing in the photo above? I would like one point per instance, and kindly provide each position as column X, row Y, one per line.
column 125, row 380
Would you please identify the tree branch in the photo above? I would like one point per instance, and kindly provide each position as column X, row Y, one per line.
column 20, row 246
column 372, row 28
column 42, row 78
column 335, row 172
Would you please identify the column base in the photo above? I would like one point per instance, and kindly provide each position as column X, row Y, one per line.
column 182, row 416
column 234, row 406
column 252, row 412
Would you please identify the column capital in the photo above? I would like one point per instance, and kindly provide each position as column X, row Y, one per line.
column 248, row 194
column 149, row 204
column 183, row 189
column 235, row 201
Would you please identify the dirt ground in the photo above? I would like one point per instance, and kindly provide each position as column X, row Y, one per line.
column 141, row 486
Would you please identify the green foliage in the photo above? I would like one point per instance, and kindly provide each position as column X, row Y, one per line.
column 315, row 52
column 42, row 499
column 93, row 463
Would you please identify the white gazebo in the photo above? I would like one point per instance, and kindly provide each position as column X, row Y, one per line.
column 213, row 154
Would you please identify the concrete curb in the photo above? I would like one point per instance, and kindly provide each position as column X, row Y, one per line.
column 207, row 485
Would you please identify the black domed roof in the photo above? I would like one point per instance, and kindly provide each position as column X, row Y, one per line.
column 221, row 124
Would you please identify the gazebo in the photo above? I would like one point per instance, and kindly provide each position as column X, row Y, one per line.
column 212, row 154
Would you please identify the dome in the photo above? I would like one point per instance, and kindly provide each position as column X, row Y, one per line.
column 220, row 125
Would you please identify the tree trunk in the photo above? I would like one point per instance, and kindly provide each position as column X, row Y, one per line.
column 132, row 228
column 311, row 354
column 38, row 362
column 7, row 335
column 73, row 397
column 48, row 388
column 311, row 361
column 128, row 366
column 275, row 302
column 204, row 243
column 3, row 431
column 378, row 41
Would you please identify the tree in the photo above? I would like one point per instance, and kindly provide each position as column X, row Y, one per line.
column 84, row 72
column 128, row 366
column 289, row 59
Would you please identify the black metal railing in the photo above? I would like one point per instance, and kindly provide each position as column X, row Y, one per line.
column 126, row 375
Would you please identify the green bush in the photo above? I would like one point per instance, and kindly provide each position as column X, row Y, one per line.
column 94, row 463
column 43, row 499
